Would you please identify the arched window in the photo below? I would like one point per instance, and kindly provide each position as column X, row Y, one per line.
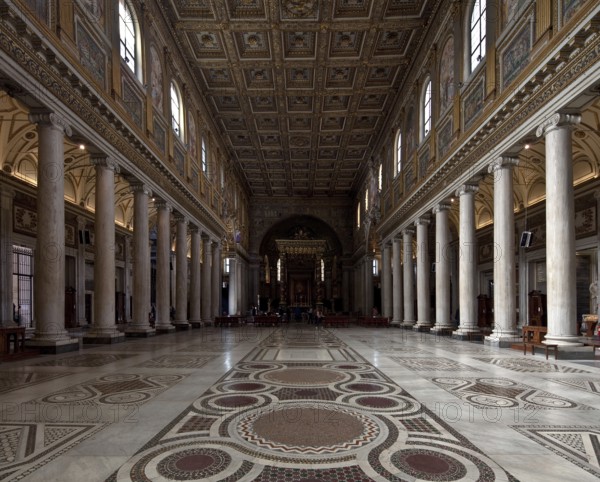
column 380, row 177
column 366, row 199
column 398, row 154
column 279, row 269
column 426, row 112
column 176, row 111
column 129, row 38
column 204, row 155
column 358, row 216
column 478, row 30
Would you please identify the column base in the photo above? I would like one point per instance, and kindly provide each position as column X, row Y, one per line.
column 101, row 338
column 208, row 322
column 54, row 347
column 196, row 324
column 443, row 330
column 396, row 323
column 163, row 329
column 469, row 333
column 408, row 324
column 140, row 331
column 422, row 326
column 181, row 325
column 502, row 339
column 565, row 340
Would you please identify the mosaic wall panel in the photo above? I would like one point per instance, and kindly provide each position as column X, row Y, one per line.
column 91, row 56
column 159, row 135
column 516, row 56
column 423, row 162
column 444, row 137
column 447, row 75
column 133, row 103
column 179, row 159
column 473, row 104
column 569, row 8
column 40, row 8
column 409, row 175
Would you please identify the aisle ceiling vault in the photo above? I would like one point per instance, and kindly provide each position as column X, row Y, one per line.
column 300, row 89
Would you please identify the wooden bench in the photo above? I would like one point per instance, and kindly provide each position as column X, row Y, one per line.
column 336, row 321
column 228, row 320
column 374, row 321
column 546, row 347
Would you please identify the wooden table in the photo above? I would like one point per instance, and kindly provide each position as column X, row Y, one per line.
column 12, row 335
column 534, row 334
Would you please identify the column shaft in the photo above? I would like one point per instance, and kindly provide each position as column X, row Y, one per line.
column 140, row 325
column 442, row 269
column 409, row 289
column 6, row 254
column 560, row 230
column 195, row 310
column 163, row 269
column 181, row 297
column 232, row 286
column 49, row 279
column 397, row 281
column 505, row 309
column 216, row 280
column 467, row 261
column 423, row 268
column 386, row 273
column 206, row 281
column 104, row 328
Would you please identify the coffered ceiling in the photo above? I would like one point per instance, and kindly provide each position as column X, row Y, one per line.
column 300, row 89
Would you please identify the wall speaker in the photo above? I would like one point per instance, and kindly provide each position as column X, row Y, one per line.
column 526, row 239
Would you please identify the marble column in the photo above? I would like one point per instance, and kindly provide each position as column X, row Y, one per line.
column 409, row 288
column 386, row 274
column 104, row 329
column 346, row 288
column 6, row 252
column 128, row 277
column 255, row 281
column 232, row 301
column 206, row 281
column 467, row 254
column 397, row 281
column 368, row 273
column 49, row 280
column 181, row 281
column 443, row 321
column 560, row 229
column 505, row 295
column 216, row 281
column 239, row 287
column 196, row 281
column 140, row 325
column 423, row 269
column 163, row 268
column 80, row 263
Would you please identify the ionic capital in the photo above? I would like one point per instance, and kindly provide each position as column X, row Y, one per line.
column 51, row 119
column 440, row 208
column 503, row 162
column 557, row 121
column 106, row 163
column 467, row 189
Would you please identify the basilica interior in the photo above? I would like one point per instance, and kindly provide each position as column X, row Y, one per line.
column 299, row 240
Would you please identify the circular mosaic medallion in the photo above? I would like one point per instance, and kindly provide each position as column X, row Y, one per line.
column 245, row 387
column 305, row 376
column 235, row 401
column 193, row 464
column 349, row 367
column 428, row 465
column 377, row 402
column 365, row 387
column 308, row 429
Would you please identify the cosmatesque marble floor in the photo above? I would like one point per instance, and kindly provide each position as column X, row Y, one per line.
column 299, row 404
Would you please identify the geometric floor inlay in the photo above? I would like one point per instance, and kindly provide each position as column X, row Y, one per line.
column 17, row 380
column 432, row 364
column 117, row 389
column 503, row 393
column 91, row 360
column 314, row 420
column 26, row 447
column 579, row 445
column 177, row 361
column 528, row 365
column 587, row 384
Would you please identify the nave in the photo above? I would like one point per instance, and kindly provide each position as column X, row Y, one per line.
column 299, row 404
